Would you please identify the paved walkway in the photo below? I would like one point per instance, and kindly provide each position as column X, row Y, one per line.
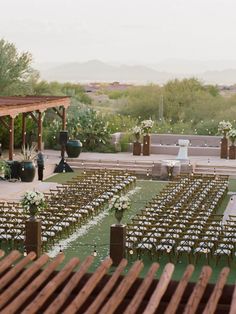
column 14, row 190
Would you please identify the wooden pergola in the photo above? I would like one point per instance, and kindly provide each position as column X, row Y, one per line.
column 30, row 106
column 29, row 286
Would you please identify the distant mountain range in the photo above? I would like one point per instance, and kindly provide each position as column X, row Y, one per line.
column 97, row 71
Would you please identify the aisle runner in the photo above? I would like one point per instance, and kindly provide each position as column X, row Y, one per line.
column 63, row 244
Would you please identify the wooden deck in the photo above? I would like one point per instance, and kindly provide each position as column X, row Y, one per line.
column 34, row 286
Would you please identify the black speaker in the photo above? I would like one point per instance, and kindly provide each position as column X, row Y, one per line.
column 63, row 137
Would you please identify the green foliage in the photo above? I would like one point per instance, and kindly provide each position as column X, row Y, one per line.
column 125, row 140
column 14, row 68
column 120, row 123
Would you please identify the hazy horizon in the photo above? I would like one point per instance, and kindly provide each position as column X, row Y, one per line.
column 130, row 32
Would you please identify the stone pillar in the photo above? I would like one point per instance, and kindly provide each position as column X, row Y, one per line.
column 224, row 148
column 136, row 149
column 33, row 237
column 146, row 145
column 117, row 243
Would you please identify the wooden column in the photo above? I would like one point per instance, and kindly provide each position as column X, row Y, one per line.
column 117, row 243
column 33, row 234
column 23, row 137
column 40, row 130
column 11, row 137
column 63, row 118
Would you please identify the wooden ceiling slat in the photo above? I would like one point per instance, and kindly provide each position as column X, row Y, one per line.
column 93, row 308
column 2, row 253
column 138, row 297
column 176, row 298
column 48, row 290
column 160, row 289
column 198, row 290
column 60, row 300
column 122, row 289
column 14, row 271
column 9, row 260
column 217, row 292
column 89, row 286
column 34, row 285
column 12, row 290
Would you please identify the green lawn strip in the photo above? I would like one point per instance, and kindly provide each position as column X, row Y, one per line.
column 63, row 177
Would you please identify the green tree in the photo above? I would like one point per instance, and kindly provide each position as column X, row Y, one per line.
column 14, row 68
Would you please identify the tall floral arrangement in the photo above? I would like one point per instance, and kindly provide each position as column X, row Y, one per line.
column 146, row 126
column 232, row 135
column 137, row 131
column 224, row 127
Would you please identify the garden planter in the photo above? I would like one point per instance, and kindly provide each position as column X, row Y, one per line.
column 136, row 148
column 73, row 148
column 224, row 148
column 27, row 171
column 232, row 152
column 146, row 145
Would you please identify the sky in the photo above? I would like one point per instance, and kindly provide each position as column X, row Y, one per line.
column 122, row 31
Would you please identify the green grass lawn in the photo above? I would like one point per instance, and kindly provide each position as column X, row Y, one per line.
column 96, row 236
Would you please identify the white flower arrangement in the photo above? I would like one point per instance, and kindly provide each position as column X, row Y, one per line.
column 232, row 135
column 146, row 126
column 137, row 131
column 224, row 127
column 33, row 198
column 119, row 203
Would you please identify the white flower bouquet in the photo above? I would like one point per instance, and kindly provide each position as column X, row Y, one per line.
column 146, row 126
column 34, row 199
column 224, row 127
column 119, row 203
column 232, row 135
column 137, row 131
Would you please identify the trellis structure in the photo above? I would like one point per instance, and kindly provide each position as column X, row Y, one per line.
column 29, row 286
column 30, row 106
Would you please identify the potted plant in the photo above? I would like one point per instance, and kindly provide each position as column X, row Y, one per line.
column 146, row 126
column 33, row 202
column 232, row 148
column 118, row 204
column 73, row 145
column 224, row 127
column 27, row 168
column 5, row 170
column 137, row 131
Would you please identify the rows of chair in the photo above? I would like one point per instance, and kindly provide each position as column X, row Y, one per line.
column 183, row 220
column 69, row 205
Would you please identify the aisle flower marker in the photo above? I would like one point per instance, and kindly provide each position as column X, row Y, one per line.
column 137, row 131
column 146, row 126
column 224, row 127
column 119, row 204
column 232, row 148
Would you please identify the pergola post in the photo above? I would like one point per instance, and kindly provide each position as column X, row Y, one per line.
column 11, row 137
column 23, row 129
column 40, row 130
column 63, row 118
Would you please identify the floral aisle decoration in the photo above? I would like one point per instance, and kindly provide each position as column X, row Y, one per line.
column 232, row 135
column 33, row 202
column 137, row 131
column 119, row 204
column 224, row 127
column 146, row 126
column 232, row 148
